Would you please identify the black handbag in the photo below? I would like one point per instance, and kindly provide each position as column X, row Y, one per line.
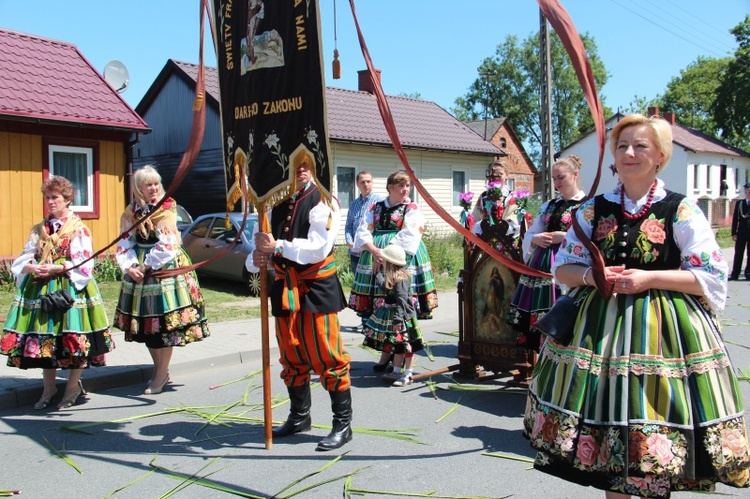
column 57, row 301
column 559, row 321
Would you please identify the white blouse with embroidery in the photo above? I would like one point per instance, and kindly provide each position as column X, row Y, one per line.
column 81, row 247
column 312, row 249
column 407, row 238
column 692, row 233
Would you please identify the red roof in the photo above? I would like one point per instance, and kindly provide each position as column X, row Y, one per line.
column 50, row 80
column 697, row 141
column 354, row 116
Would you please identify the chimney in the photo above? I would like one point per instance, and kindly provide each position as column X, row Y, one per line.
column 670, row 117
column 653, row 111
column 365, row 82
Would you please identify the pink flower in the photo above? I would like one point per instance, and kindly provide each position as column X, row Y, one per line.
column 577, row 250
column 8, row 342
column 604, row 228
column 654, row 230
column 695, row 260
column 587, row 450
column 732, row 440
column 660, row 446
column 31, row 349
column 538, row 423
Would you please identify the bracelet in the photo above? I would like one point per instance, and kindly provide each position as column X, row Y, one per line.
column 585, row 273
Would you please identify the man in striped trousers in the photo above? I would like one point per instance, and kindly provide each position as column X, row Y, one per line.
column 306, row 297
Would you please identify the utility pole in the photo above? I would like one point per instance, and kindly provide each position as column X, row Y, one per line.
column 486, row 98
column 548, row 151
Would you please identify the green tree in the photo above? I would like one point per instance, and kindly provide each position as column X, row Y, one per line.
column 509, row 82
column 691, row 95
column 640, row 104
column 731, row 108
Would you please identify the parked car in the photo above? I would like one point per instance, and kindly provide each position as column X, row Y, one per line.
column 208, row 235
column 183, row 219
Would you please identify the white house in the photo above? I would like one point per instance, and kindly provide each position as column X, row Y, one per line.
column 698, row 166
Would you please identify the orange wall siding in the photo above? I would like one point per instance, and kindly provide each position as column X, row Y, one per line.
column 21, row 202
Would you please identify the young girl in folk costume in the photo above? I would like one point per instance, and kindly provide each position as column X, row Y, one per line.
column 162, row 313
column 40, row 334
column 393, row 328
column 534, row 296
column 395, row 220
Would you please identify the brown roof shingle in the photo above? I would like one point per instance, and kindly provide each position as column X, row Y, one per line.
column 354, row 116
column 51, row 80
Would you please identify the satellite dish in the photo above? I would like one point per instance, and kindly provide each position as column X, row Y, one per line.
column 116, row 75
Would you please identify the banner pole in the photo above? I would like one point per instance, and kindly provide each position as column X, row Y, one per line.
column 265, row 348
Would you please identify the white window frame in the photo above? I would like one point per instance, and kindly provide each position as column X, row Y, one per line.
column 89, row 154
column 456, row 202
column 355, row 193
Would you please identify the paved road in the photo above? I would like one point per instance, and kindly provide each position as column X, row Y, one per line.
column 452, row 429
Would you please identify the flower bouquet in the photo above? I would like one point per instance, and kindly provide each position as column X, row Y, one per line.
column 467, row 219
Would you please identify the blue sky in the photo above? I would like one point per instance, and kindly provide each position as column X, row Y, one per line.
column 432, row 47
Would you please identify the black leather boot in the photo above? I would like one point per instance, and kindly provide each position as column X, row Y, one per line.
column 299, row 413
column 341, row 403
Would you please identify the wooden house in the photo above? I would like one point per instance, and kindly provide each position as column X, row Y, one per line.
column 58, row 116
column 446, row 155
column 521, row 170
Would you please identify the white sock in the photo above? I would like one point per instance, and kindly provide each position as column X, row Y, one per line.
column 396, row 370
column 408, row 372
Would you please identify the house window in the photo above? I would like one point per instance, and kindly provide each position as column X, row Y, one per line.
column 459, row 186
column 345, row 185
column 503, row 142
column 78, row 164
column 510, row 184
column 696, row 179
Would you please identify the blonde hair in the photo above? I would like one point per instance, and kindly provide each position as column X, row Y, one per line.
column 145, row 175
column 394, row 273
column 573, row 162
column 661, row 134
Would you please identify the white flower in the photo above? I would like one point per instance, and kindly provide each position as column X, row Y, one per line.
column 312, row 137
column 230, row 142
column 272, row 141
column 251, row 140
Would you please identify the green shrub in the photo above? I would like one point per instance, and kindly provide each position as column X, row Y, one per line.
column 106, row 269
column 446, row 253
column 7, row 279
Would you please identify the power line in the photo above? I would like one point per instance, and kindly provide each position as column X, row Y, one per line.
column 691, row 41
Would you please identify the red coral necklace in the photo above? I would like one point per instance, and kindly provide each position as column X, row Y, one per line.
column 643, row 210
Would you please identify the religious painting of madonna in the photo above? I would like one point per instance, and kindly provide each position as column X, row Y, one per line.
column 493, row 287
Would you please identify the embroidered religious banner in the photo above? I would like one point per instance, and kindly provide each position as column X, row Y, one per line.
column 272, row 88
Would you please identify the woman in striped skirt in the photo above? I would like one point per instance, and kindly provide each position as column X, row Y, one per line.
column 49, row 334
column 396, row 220
column 643, row 400
column 160, row 312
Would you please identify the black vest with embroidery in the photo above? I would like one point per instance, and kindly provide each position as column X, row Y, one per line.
column 646, row 243
column 553, row 215
column 289, row 220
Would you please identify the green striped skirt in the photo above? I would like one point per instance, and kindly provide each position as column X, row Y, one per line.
column 365, row 288
column 643, row 401
column 75, row 339
column 162, row 312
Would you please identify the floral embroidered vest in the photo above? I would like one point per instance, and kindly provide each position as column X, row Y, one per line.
column 646, row 243
column 387, row 219
column 557, row 215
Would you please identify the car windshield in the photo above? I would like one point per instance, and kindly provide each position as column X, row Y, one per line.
column 249, row 227
column 183, row 217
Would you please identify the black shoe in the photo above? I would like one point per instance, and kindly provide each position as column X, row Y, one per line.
column 299, row 414
column 381, row 368
column 341, row 433
column 733, row 278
